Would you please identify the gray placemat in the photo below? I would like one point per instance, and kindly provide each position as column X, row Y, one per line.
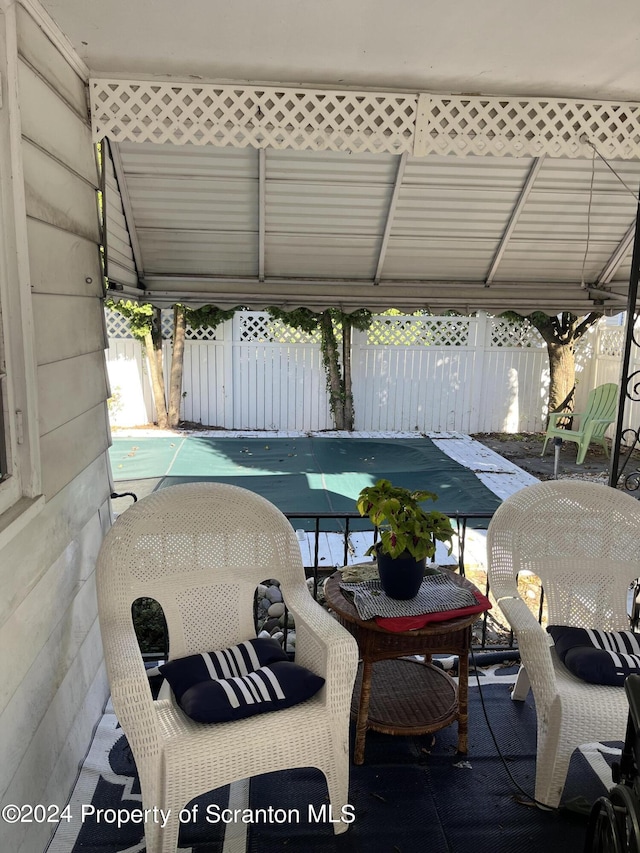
column 437, row 594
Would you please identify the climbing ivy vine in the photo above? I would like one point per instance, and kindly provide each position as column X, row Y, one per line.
column 335, row 328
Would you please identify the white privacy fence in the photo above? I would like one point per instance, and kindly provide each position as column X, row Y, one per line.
column 471, row 374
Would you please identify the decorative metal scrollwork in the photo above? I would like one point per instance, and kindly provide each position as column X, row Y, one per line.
column 627, row 439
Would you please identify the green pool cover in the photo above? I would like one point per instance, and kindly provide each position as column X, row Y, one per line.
column 308, row 474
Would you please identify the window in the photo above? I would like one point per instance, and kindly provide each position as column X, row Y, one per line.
column 19, row 469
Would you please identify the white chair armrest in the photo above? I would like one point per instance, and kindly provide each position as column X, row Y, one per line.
column 130, row 689
column 323, row 645
column 535, row 647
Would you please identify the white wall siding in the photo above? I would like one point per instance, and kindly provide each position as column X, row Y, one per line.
column 52, row 678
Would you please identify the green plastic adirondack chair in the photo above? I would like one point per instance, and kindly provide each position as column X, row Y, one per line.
column 598, row 414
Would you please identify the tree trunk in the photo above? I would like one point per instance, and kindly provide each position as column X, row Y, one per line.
column 346, row 368
column 332, row 367
column 561, row 334
column 177, row 361
column 562, row 378
column 153, row 347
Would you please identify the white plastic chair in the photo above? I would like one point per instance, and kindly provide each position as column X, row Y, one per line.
column 581, row 540
column 200, row 550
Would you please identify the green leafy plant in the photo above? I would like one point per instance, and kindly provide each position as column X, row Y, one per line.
column 405, row 527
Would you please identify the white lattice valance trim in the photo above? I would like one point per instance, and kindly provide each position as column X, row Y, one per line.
column 526, row 126
column 263, row 117
column 344, row 120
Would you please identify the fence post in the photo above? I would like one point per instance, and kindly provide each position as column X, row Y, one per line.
column 358, row 378
column 225, row 394
column 481, row 323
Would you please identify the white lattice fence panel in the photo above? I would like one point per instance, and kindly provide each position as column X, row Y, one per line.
column 260, row 328
column 419, row 331
column 206, row 333
column 145, row 111
column 504, row 333
column 118, row 326
column 526, row 126
column 166, row 324
column 611, row 342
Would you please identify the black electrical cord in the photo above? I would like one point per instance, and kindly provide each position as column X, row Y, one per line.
column 499, row 751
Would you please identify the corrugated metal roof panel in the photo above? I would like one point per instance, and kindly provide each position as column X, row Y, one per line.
column 422, row 211
column 624, row 271
column 331, row 167
column 229, row 205
column 472, row 172
column 553, row 260
column 296, row 208
column 196, row 211
column 191, row 161
column 410, row 258
column 565, row 175
column 328, row 256
column 234, row 253
column 549, row 215
column 121, row 266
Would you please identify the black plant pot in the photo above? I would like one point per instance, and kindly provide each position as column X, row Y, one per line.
column 400, row 576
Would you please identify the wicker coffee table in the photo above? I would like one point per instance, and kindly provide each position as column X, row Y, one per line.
column 401, row 697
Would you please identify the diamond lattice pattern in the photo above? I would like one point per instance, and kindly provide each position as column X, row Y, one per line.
column 262, row 329
column 507, row 334
column 118, row 326
column 418, row 331
column 510, row 126
column 611, row 342
column 315, row 119
column 240, row 116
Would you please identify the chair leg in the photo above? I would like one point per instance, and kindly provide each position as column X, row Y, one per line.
column 159, row 839
column 169, row 835
column 552, row 765
column 337, row 776
column 522, row 686
column 544, row 446
column 583, row 446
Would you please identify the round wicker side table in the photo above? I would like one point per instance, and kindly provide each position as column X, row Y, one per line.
column 405, row 696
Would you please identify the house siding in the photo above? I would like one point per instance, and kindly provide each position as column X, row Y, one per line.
column 53, row 681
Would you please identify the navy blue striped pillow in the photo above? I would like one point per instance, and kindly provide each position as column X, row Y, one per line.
column 599, row 657
column 268, row 688
column 246, row 657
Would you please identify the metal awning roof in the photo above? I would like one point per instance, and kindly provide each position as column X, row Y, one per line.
column 255, row 195
column 242, row 226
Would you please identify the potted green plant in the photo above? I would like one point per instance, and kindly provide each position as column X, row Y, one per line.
column 408, row 534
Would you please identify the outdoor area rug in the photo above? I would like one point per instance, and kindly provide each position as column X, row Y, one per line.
column 412, row 793
column 306, row 473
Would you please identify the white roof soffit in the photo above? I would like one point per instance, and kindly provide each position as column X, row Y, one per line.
column 236, row 194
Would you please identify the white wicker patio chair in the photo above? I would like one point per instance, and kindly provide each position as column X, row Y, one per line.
column 581, row 540
column 200, row 550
